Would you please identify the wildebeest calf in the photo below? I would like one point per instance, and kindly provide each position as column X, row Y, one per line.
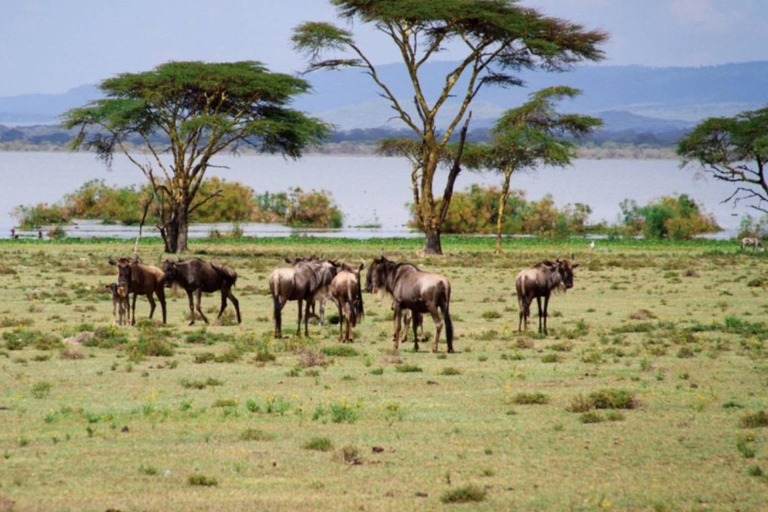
column 540, row 281
column 345, row 291
column 121, row 313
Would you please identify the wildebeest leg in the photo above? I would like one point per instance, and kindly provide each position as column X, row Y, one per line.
column 416, row 321
column 223, row 302
column 199, row 297
column 298, row 330
column 114, row 311
column 279, row 305
column 161, row 297
column 546, row 307
column 341, row 322
column 235, row 303
column 538, row 303
column 438, row 325
column 322, row 311
column 191, row 308
column 397, row 318
column 306, row 319
column 133, row 307
column 152, row 304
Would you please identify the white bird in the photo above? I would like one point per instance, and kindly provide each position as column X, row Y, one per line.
column 592, row 245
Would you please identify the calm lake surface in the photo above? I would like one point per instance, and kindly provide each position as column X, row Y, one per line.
column 369, row 190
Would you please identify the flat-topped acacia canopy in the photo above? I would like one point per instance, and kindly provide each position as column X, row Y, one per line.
column 193, row 110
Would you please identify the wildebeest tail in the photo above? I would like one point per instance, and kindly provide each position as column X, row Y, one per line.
column 359, row 303
column 226, row 273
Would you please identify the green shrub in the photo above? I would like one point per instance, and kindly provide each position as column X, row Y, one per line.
column 339, row 351
column 466, row 494
column 408, row 368
column 530, row 398
column 202, row 480
column 754, row 420
column 610, row 398
column 313, row 209
column 41, row 389
column 320, row 444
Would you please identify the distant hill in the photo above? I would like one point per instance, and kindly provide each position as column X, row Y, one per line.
column 348, row 99
column 44, row 108
column 631, row 99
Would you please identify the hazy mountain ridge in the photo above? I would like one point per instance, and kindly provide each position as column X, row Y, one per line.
column 629, row 98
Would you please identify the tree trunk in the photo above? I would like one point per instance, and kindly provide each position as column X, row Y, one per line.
column 502, row 206
column 432, row 243
column 175, row 231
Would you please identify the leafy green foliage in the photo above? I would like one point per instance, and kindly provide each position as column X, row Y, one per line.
column 234, row 202
column 678, row 218
column 491, row 38
column 193, row 111
column 732, row 149
column 477, row 211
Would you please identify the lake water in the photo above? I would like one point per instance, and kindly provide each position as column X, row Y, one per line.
column 368, row 189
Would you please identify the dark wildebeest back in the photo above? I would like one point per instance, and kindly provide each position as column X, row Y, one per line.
column 140, row 279
column 345, row 291
column 539, row 281
column 300, row 282
column 198, row 277
column 414, row 290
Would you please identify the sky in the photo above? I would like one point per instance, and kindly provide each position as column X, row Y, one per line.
column 50, row 46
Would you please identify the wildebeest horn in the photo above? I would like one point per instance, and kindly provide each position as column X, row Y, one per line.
column 288, row 260
column 111, row 260
column 362, row 264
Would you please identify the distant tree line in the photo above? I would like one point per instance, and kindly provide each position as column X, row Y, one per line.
column 235, row 202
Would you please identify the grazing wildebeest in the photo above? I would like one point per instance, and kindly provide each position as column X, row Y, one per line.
column 540, row 281
column 198, row 276
column 754, row 242
column 140, row 279
column 120, row 307
column 305, row 280
column 346, row 293
column 414, row 290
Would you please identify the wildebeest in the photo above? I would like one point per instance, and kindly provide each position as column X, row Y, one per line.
column 198, row 276
column 140, row 279
column 120, row 310
column 414, row 290
column 345, row 291
column 305, row 280
column 754, row 242
column 540, row 281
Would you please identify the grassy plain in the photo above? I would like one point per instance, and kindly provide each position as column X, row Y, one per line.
column 635, row 401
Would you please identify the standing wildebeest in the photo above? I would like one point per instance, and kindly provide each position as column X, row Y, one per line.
column 196, row 275
column 120, row 306
column 540, row 281
column 414, row 290
column 140, row 279
column 303, row 281
column 754, row 242
column 345, row 291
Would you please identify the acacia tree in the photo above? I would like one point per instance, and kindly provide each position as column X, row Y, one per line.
column 732, row 149
column 494, row 39
column 529, row 136
column 192, row 111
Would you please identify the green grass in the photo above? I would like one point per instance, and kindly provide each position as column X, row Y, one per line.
column 661, row 377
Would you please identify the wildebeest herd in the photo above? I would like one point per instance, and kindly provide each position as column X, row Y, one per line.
column 312, row 280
